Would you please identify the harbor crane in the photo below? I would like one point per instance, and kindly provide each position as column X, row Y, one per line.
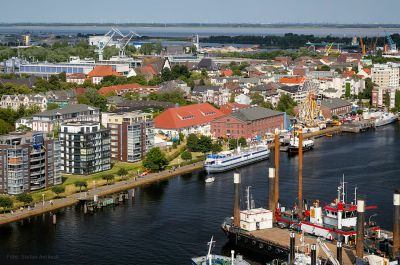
column 123, row 41
column 362, row 46
column 392, row 44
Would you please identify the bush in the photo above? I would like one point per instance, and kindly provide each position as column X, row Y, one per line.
column 25, row 198
column 6, row 202
column 122, row 172
column 186, row 155
column 58, row 190
column 108, row 178
column 80, row 184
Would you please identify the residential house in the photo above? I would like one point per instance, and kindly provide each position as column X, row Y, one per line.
column 16, row 101
column 48, row 120
column 101, row 71
column 122, row 89
column 77, row 78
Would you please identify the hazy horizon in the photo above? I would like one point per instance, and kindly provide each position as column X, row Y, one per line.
column 206, row 11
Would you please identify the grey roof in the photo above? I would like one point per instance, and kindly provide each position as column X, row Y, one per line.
column 73, row 108
column 207, row 63
column 201, row 89
column 290, row 89
column 334, row 103
column 255, row 113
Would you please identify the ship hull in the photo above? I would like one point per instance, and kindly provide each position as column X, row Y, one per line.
column 295, row 149
column 385, row 122
column 215, row 168
column 256, row 246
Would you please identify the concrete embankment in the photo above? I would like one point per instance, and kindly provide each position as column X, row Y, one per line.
column 101, row 191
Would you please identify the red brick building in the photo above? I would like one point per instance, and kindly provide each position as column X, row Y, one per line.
column 335, row 106
column 247, row 122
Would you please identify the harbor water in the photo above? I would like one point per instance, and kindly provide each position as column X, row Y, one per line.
column 169, row 222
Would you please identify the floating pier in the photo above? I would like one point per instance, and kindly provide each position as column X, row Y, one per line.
column 96, row 202
column 357, row 127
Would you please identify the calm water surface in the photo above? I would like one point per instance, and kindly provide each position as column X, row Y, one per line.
column 170, row 221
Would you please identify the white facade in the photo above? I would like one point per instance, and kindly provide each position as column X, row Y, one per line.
column 255, row 219
column 386, row 75
column 204, row 129
column 243, row 99
column 16, row 101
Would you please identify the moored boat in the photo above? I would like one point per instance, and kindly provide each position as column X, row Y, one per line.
column 227, row 160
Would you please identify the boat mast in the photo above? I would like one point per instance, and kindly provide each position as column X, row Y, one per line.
column 210, row 244
column 343, row 193
column 355, row 195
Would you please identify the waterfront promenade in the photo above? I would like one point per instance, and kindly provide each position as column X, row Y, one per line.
column 120, row 186
column 100, row 191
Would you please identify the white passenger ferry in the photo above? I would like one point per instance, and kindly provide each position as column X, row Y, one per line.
column 227, row 160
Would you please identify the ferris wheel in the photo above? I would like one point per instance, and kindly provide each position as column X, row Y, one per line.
column 309, row 108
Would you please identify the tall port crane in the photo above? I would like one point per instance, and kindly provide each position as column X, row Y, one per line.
column 123, row 41
column 392, row 44
column 362, row 45
column 102, row 45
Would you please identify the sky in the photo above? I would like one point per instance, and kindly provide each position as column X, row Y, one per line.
column 201, row 11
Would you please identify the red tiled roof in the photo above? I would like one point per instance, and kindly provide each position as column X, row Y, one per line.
column 80, row 90
column 228, row 107
column 118, row 88
column 103, row 70
column 292, row 80
column 348, row 73
column 367, row 70
column 226, row 72
column 76, row 76
column 148, row 69
column 186, row 116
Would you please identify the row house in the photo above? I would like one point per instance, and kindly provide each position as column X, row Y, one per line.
column 16, row 101
column 122, row 89
column 212, row 94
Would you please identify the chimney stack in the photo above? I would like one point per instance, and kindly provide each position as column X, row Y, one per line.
column 271, row 193
column 339, row 252
column 276, row 167
column 236, row 206
column 360, row 228
column 292, row 247
column 396, row 223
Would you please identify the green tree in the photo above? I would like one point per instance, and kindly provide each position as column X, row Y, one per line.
column 204, row 144
column 181, row 137
column 242, row 142
column 216, row 147
column 386, row 100
column 155, row 160
column 58, row 190
column 396, row 101
column 5, row 127
column 347, row 91
column 166, row 74
column 256, row 99
column 6, row 203
column 186, row 155
column 108, row 178
column 25, row 198
column 93, row 98
column 80, row 184
column 192, row 142
column 286, row 104
column 122, row 172
column 232, row 143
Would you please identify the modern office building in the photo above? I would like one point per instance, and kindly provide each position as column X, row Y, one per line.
column 132, row 134
column 28, row 162
column 85, row 148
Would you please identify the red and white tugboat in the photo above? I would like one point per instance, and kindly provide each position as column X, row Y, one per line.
column 336, row 220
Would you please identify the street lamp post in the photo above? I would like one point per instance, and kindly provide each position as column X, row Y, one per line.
column 369, row 219
column 43, row 199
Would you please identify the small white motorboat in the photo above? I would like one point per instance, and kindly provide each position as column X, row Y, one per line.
column 209, row 179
